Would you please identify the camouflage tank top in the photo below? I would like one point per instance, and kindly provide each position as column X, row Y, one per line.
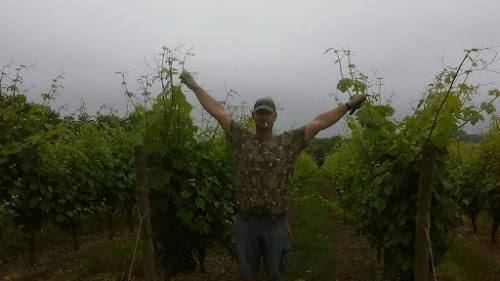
column 263, row 168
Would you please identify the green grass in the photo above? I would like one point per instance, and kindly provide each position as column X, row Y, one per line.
column 109, row 263
column 466, row 264
column 310, row 244
column 113, row 259
column 469, row 264
column 12, row 241
column 483, row 220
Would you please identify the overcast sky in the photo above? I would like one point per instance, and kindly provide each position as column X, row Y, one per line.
column 257, row 48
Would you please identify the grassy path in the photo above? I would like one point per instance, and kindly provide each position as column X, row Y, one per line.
column 326, row 248
column 323, row 247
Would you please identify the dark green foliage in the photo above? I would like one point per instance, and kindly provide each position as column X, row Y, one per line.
column 191, row 208
column 318, row 148
column 304, row 167
column 467, row 177
column 490, row 153
column 22, row 126
column 64, row 170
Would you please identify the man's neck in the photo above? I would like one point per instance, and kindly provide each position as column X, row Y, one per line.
column 264, row 133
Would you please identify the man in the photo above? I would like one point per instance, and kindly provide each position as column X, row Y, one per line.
column 263, row 169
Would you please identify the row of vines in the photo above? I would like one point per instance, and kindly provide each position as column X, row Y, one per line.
column 64, row 170
column 68, row 170
column 474, row 170
column 376, row 172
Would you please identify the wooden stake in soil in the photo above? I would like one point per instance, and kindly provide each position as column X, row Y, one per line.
column 422, row 228
column 148, row 263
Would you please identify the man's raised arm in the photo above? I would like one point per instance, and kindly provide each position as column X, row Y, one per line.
column 331, row 117
column 209, row 103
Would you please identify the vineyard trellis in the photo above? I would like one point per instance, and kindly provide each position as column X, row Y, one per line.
column 68, row 170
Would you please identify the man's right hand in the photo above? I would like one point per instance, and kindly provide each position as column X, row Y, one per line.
column 211, row 105
column 187, row 79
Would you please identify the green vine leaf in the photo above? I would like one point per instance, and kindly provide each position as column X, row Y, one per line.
column 345, row 84
column 488, row 107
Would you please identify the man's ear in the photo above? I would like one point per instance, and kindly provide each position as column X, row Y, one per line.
column 275, row 116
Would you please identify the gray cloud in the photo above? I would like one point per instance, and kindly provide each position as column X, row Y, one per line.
column 256, row 47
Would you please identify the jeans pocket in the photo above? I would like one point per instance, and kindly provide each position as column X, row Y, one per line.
column 285, row 256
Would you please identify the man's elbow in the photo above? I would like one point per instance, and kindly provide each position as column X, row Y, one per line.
column 313, row 128
column 224, row 119
column 321, row 125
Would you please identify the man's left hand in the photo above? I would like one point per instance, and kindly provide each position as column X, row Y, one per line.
column 355, row 102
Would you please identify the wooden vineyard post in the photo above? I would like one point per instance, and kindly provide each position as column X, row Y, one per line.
column 423, row 219
column 148, row 264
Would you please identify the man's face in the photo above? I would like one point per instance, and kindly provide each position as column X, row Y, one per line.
column 264, row 118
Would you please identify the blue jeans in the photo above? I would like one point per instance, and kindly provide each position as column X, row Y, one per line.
column 258, row 236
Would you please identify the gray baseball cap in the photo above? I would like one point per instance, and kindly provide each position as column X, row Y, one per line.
column 266, row 103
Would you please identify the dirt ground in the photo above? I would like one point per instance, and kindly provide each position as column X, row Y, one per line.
column 57, row 257
column 350, row 257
